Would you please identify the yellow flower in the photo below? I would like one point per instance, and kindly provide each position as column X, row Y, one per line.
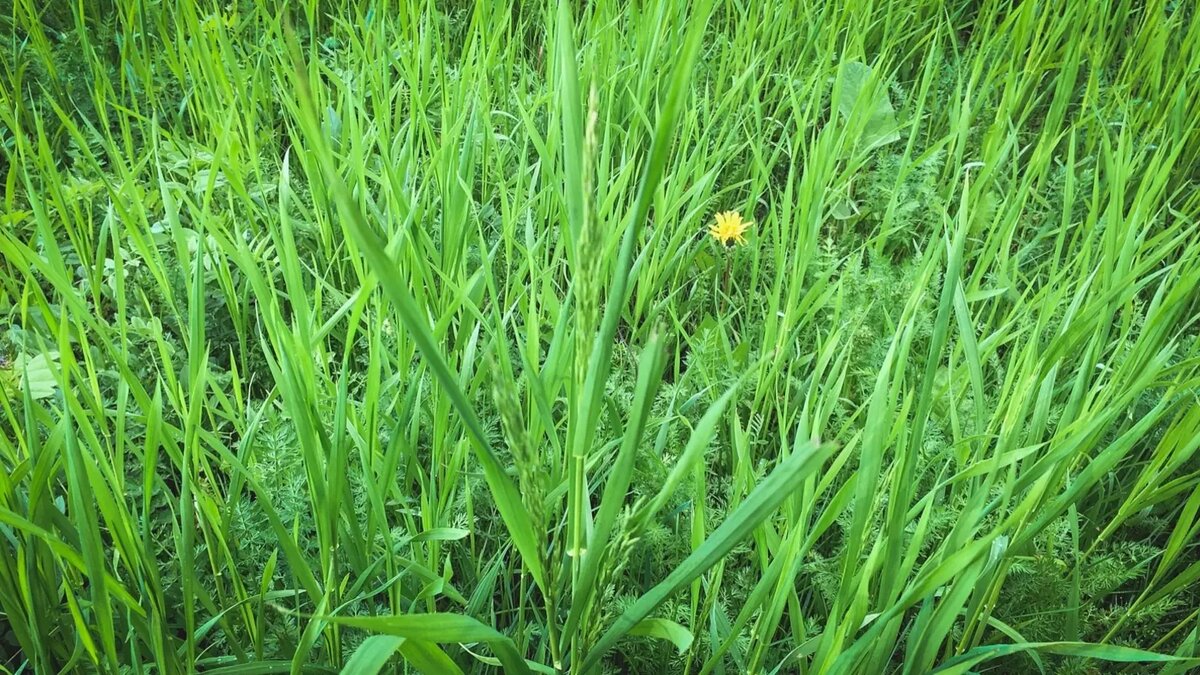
column 729, row 228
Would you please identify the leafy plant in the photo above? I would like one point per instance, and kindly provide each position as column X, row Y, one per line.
column 392, row 338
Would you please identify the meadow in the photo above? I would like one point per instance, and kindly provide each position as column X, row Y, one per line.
column 712, row 337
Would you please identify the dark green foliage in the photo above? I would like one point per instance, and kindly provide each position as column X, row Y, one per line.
column 1013, row 276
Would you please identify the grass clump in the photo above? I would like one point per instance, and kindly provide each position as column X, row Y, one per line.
column 418, row 337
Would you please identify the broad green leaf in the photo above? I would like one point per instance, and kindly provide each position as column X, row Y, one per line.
column 664, row 629
column 428, row 658
column 880, row 127
column 438, row 629
column 37, row 374
column 372, row 654
column 843, row 208
column 442, row 534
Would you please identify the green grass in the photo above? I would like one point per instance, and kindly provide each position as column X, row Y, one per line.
column 367, row 336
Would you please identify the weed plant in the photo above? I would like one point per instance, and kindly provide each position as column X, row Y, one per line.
column 373, row 336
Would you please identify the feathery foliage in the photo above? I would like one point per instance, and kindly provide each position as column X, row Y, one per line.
column 373, row 336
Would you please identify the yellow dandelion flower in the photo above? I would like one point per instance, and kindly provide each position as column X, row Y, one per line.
column 729, row 228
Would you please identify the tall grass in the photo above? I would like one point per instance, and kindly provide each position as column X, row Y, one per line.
column 373, row 336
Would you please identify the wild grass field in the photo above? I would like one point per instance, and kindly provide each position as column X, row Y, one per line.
column 726, row 336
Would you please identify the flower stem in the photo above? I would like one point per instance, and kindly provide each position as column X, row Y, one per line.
column 725, row 286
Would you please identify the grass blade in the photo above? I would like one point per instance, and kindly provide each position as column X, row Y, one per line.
column 763, row 501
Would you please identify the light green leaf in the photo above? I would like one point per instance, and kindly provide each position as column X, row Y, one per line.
column 665, row 629
column 880, row 127
column 438, row 628
column 428, row 658
column 37, row 374
column 843, row 208
column 267, row 668
column 442, row 534
column 372, row 654
column 1110, row 653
